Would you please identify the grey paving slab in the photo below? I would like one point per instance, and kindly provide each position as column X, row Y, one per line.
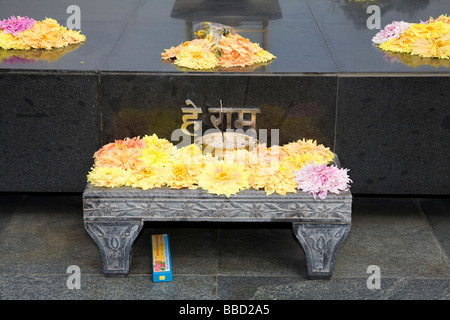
column 45, row 236
column 289, row 288
column 193, row 249
column 92, row 287
column 261, row 252
column 392, row 234
column 437, row 212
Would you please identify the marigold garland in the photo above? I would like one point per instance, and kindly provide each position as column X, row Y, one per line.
column 151, row 162
column 429, row 39
column 23, row 33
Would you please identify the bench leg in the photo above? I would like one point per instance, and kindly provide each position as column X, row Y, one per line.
column 321, row 242
column 114, row 240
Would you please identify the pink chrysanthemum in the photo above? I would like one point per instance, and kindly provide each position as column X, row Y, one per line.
column 17, row 24
column 321, row 179
column 392, row 30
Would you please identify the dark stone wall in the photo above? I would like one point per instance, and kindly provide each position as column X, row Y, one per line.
column 49, row 129
column 392, row 132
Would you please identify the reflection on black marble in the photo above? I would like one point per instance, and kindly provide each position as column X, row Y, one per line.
column 344, row 27
column 34, row 55
column 326, row 36
column 393, row 134
column 415, row 61
column 289, row 32
column 230, row 10
column 352, row 10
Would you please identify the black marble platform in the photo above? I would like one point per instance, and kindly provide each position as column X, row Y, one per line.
column 387, row 116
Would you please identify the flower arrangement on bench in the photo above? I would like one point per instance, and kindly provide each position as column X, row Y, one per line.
column 152, row 162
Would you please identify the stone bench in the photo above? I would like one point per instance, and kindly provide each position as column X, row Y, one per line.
column 114, row 217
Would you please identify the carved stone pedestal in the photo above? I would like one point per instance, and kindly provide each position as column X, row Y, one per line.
column 321, row 243
column 115, row 216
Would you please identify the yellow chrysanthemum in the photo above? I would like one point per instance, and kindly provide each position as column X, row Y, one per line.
column 441, row 18
column 196, row 57
column 282, row 181
column 189, row 154
column 241, row 156
column 400, row 45
column 182, row 175
column 152, row 156
column 158, row 143
column 261, row 173
column 157, row 151
column 297, row 161
column 108, row 177
column 224, row 179
column 307, row 146
column 430, row 30
column 149, row 177
column 418, row 31
column 263, row 56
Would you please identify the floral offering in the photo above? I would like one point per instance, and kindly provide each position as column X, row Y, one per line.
column 151, row 162
column 321, row 179
column 23, row 33
column 429, row 39
column 216, row 46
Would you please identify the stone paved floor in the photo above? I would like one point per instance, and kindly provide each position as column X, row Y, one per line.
column 407, row 238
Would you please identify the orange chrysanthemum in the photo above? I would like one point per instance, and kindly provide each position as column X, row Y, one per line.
column 123, row 154
column 432, row 48
column 237, row 51
column 226, row 50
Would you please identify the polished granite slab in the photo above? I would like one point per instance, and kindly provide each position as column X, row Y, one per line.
column 393, row 133
column 133, row 38
column 48, row 128
column 306, row 36
column 328, row 83
column 344, row 26
column 101, row 21
column 131, row 104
